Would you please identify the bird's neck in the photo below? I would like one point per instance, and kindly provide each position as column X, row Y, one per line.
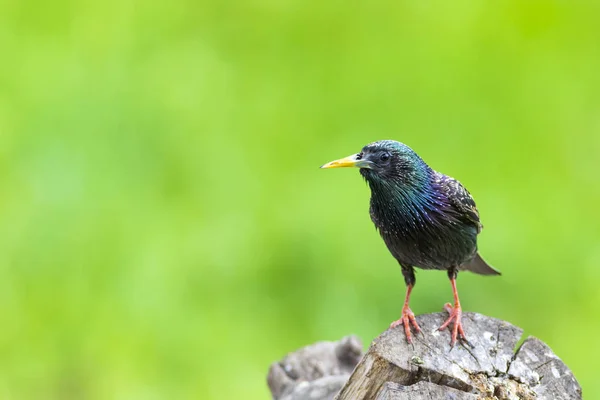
column 415, row 185
column 408, row 195
column 404, row 201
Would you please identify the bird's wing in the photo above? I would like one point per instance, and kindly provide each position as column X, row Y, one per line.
column 461, row 200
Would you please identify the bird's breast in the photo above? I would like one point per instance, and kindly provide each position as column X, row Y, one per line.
column 423, row 237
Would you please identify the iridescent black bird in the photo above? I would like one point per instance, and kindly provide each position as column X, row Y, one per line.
column 426, row 219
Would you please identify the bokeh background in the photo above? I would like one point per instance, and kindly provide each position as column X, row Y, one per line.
column 165, row 232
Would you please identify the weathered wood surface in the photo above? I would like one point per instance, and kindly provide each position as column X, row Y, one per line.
column 315, row 372
column 492, row 368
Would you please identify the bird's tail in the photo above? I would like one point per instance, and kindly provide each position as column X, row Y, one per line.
column 479, row 266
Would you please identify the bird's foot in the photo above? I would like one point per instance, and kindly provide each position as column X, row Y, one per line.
column 407, row 319
column 457, row 329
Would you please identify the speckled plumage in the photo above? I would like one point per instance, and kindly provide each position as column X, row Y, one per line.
column 426, row 219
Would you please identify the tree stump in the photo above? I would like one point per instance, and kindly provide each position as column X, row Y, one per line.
column 315, row 372
column 490, row 368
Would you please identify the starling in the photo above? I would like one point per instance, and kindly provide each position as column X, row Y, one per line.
column 427, row 220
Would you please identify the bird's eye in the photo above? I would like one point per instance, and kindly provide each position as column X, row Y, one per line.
column 384, row 157
column 359, row 156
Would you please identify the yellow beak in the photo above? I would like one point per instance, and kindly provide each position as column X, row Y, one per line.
column 350, row 161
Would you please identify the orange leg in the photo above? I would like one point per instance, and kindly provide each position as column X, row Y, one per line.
column 407, row 318
column 455, row 315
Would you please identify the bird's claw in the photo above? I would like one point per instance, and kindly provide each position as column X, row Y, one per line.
column 457, row 328
column 407, row 319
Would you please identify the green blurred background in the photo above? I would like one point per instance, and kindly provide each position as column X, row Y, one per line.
column 166, row 232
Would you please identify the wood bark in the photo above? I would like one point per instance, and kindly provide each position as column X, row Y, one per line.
column 491, row 367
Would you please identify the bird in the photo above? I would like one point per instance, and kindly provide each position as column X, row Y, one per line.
column 427, row 220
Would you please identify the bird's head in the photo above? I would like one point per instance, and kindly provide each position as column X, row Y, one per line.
column 386, row 161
